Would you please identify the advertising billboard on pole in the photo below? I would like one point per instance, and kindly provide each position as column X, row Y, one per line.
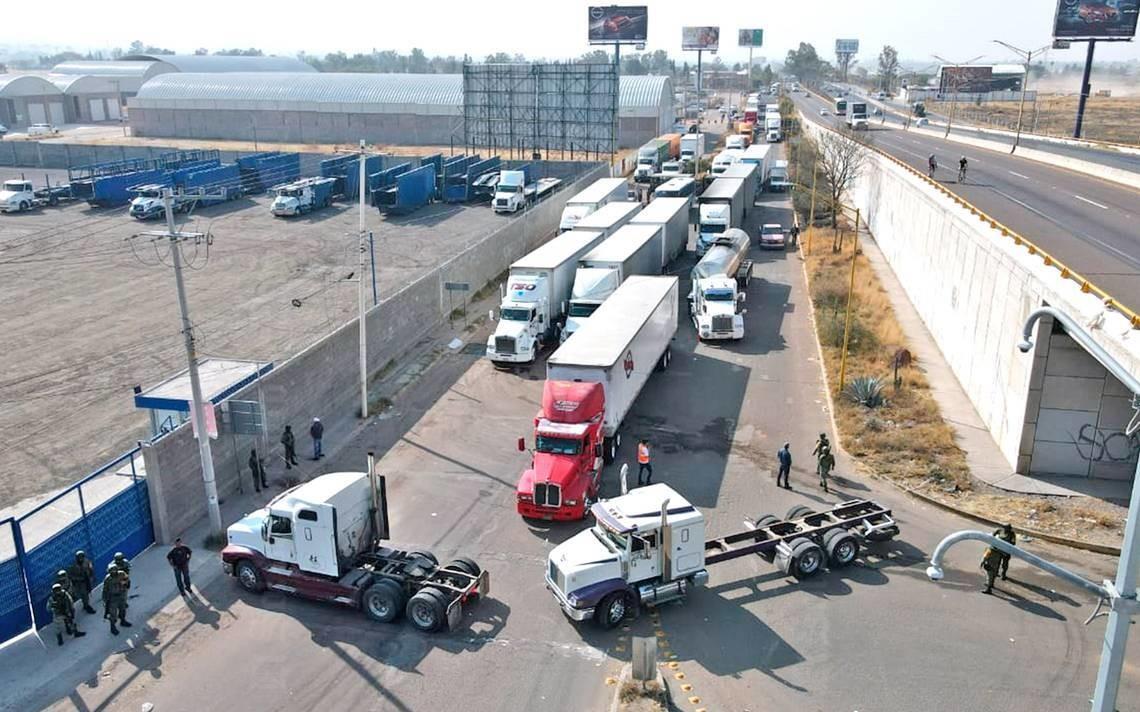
column 1095, row 20
column 707, row 38
column 846, row 46
column 618, row 23
column 751, row 38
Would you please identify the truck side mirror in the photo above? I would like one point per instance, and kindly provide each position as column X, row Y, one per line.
column 490, row 315
column 265, row 530
column 742, row 297
column 522, row 444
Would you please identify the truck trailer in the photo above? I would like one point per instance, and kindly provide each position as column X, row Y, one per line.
column 650, row 157
column 672, row 214
column 721, row 207
column 594, row 196
column 608, row 218
column 633, row 249
column 649, row 546
column 321, row 540
column 749, row 173
column 592, row 381
column 536, row 296
column 692, row 148
column 19, row 195
column 680, row 187
column 719, row 284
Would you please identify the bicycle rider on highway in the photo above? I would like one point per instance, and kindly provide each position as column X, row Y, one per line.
column 962, row 165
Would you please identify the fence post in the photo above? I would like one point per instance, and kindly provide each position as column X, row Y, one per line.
column 86, row 525
column 22, row 557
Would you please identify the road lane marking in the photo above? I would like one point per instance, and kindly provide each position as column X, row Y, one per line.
column 1127, row 258
column 1091, row 202
column 1015, row 173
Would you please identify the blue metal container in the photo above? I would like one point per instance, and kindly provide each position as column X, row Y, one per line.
column 413, row 190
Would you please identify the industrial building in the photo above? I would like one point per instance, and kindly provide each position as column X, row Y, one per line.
column 403, row 109
column 29, row 99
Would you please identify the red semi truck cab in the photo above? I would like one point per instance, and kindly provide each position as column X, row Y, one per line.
column 562, row 481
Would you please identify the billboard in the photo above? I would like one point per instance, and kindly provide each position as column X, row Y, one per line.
column 618, row 23
column 966, row 79
column 751, row 38
column 846, row 46
column 700, row 38
column 1096, row 19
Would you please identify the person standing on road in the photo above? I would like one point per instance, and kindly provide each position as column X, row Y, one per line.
column 784, row 455
column 1006, row 534
column 81, row 574
column 179, row 559
column 643, row 464
column 115, row 586
column 257, row 469
column 290, row 444
column 123, row 562
column 991, row 562
column 795, row 232
column 316, row 432
column 62, row 609
column 824, row 459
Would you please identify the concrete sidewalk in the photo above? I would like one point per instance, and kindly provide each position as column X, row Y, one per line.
column 983, row 456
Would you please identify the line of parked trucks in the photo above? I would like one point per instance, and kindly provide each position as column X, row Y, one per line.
column 669, row 156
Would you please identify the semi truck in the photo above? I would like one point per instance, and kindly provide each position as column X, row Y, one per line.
column 761, row 155
column 736, row 141
column 857, row 116
column 516, row 190
column 692, row 148
column 608, row 218
column 716, row 300
column 302, row 196
column 778, row 177
column 724, row 159
column 721, row 207
column 680, row 187
column 749, row 173
column 16, row 196
column 650, row 157
column 599, row 193
column 207, row 186
column 322, row 540
column 592, row 381
column 773, row 129
column 672, row 214
column 535, row 298
column 649, row 546
column 633, row 249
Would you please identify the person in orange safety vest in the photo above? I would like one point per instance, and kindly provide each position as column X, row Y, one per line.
column 643, row 465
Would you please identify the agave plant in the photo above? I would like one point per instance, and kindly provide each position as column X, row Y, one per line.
column 866, row 391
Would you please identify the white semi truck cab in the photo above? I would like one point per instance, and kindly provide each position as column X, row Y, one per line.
column 510, row 193
column 17, row 196
column 524, row 319
column 715, row 218
column 592, row 285
column 719, row 285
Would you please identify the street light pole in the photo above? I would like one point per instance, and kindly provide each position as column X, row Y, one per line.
column 361, row 311
column 1028, row 56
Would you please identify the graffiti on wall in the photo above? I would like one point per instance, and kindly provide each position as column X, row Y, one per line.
column 1097, row 445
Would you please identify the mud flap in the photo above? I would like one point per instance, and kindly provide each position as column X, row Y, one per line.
column 454, row 614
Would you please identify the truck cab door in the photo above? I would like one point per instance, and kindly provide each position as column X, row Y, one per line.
column 645, row 557
column 315, row 536
column 278, row 534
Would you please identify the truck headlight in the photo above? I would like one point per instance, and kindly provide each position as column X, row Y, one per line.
column 524, row 347
column 526, row 498
column 705, row 329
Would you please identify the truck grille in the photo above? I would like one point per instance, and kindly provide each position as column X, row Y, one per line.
column 505, row 344
column 722, row 323
column 547, row 495
column 501, row 202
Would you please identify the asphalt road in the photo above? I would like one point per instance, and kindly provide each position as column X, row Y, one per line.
column 877, row 635
column 1087, row 223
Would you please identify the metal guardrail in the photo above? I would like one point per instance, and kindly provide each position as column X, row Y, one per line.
column 1067, row 272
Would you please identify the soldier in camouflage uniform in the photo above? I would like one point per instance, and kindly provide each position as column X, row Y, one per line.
column 63, row 613
column 123, row 562
column 991, row 562
column 62, row 579
column 115, row 586
column 82, row 576
column 1006, row 534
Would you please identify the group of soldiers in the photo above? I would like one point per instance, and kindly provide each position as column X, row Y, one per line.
column 76, row 582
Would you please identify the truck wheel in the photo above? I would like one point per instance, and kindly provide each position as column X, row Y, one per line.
column 612, row 610
column 841, row 547
column 464, row 564
column 420, row 554
column 383, row 601
column 249, row 577
column 609, row 451
column 427, row 610
column 806, row 559
column 799, row 510
column 765, row 520
column 24, row 205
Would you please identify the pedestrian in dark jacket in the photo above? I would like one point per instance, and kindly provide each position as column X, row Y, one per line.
column 784, row 455
column 316, row 432
column 257, row 469
column 179, row 558
column 290, row 444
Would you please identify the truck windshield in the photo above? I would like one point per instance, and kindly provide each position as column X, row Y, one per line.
column 613, row 538
column 558, row 446
column 515, row 314
column 582, row 310
column 13, row 186
column 719, row 295
column 705, row 227
column 645, row 161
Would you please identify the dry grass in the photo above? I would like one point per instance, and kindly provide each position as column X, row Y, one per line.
column 642, row 697
column 1115, row 119
column 906, row 439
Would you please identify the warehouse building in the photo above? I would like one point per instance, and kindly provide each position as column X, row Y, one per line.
column 219, row 63
column 402, row 109
column 89, row 99
column 129, row 76
column 30, row 99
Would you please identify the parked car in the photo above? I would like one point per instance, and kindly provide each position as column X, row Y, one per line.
column 824, row 112
column 42, row 130
column 922, row 121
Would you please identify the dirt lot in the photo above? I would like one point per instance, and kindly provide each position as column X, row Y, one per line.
column 88, row 312
column 1114, row 119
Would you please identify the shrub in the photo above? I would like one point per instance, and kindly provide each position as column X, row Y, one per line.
column 867, row 391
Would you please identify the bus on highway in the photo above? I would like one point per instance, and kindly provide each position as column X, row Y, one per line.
column 841, row 107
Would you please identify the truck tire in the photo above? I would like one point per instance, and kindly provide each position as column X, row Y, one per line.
column 383, row 601
column 841, row 548
column 799, row 510
column 24, row 205
column 609, row 451
column 464, row 564
column 765, row 520
column 612, row 610
column 249, row 577
column 427, row 610
column 806, row 559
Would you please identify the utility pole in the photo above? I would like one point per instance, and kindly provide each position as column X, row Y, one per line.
column 197, row 406
column 957, row 83
column 361, row 248
column 1027, row 55
column 1086, row 89
column 850, row 299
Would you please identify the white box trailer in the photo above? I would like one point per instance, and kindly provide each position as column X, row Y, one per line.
column 608, row 218
column 721, row 207
column 626, row 340
column 594, row 196
column 760, row 154
column 749, row 173
column 672, row 214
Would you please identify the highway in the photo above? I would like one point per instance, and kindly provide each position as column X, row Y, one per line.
column 875, row 636
column 1087, row 223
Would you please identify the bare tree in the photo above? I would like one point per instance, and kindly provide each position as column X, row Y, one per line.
column 840, row 157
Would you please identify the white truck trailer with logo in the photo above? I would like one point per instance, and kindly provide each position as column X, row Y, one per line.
column 672, row 214
column 633, row 249
column 535, row 298
column 625, row 340
column 608, row 218
column 760, row 154
column 721, row 207
column 719, row 281
column 601, row 192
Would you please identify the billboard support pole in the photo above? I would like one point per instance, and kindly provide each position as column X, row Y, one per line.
column 699, row 53
column 1086, row 89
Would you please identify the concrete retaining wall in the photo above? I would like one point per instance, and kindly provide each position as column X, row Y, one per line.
column 974, row 289
column 322, row 380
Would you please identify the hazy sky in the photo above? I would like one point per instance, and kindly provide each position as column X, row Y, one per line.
column 956, row 29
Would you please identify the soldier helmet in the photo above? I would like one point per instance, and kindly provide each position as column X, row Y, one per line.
column 112, row 567
column 119, row 556
column 56, row 587
column 61, row 574
column 80, row 554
